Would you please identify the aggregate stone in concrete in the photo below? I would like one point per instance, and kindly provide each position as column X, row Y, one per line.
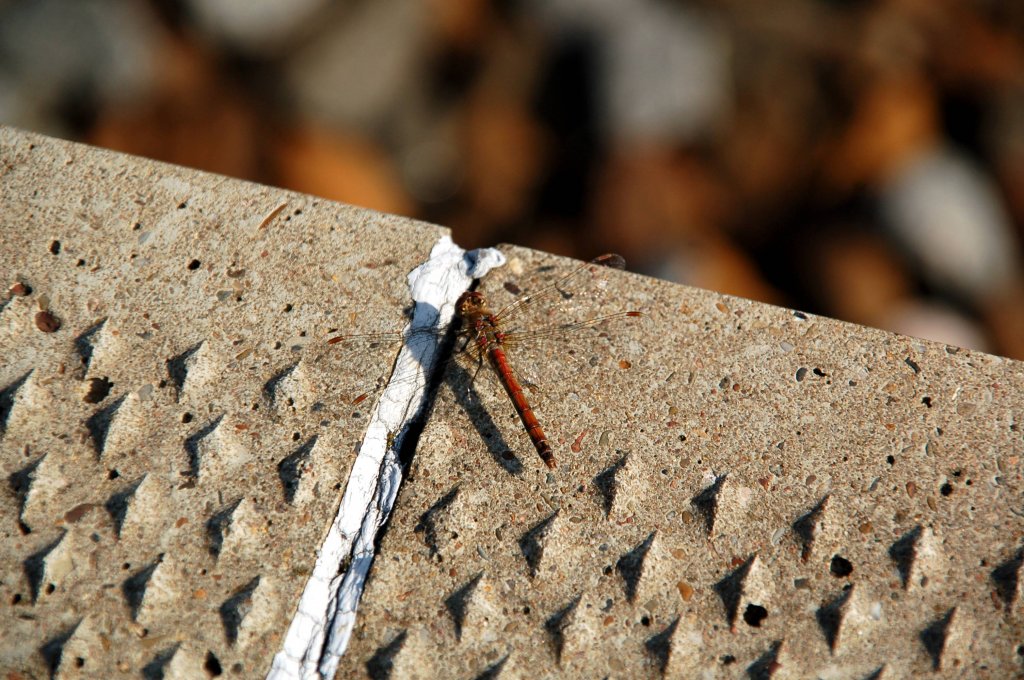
column 175, row 433
column 742, row 491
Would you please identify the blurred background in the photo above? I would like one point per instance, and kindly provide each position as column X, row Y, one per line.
column 859, row 159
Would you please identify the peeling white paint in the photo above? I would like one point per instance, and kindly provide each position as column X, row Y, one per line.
column 320, row 631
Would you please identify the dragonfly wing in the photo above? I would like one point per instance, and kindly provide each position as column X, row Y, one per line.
column 381, row 349
column 563, row 330
column 588, row 279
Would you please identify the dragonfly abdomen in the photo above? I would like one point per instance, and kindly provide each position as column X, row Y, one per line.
column 515, row 392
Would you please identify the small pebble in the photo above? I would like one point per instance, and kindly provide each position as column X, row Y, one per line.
column 685, row 590
column 20, row 289
column 47, row 322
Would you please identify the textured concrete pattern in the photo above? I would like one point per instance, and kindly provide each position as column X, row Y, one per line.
column 742, row 491
column 175, row 434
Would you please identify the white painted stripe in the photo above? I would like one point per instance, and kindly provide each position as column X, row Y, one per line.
column 320, row 631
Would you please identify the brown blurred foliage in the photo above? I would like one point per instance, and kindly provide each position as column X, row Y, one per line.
column 503, row 133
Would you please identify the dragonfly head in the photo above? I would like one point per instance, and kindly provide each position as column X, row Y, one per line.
column 470, row 304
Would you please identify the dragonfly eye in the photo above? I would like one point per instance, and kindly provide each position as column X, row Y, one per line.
column 469, row 302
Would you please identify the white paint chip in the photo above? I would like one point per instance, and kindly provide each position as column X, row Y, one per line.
column 320, row 631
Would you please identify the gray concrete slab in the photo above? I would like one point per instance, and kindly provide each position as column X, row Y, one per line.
column 173, row 452
column 742, row 491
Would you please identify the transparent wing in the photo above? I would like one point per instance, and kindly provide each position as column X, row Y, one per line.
column 384, row 347
column 586, row 280
column 520, row 337
column 377, row 349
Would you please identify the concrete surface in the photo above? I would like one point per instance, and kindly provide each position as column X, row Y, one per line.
column 742, row 490
column 173, row 455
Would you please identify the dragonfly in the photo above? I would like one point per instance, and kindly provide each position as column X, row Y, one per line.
column 484, row 336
